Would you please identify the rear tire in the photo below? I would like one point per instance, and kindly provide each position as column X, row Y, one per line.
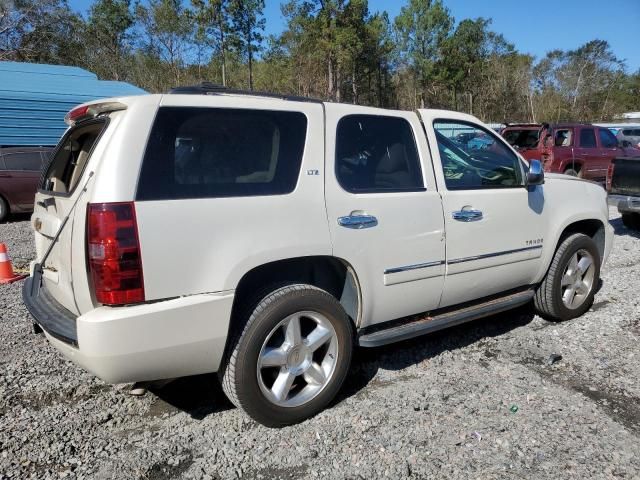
column 631, row 220
column 4, row 210
column 291, row 356
column 569, row 286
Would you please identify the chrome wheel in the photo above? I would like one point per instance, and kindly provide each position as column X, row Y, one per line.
column 577, row 280
column 297, row 359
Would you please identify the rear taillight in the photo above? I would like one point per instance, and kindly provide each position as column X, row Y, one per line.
column 113, row 248
column 609, row 176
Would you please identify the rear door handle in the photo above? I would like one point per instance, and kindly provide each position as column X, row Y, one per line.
column 5, row 175
column 358, row 222
column 467, row 215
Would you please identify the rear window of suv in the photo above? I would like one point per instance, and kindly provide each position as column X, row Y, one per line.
column 522, row 138
column 217, row 152
column 71, row 157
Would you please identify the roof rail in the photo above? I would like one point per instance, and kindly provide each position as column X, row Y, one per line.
column 209, row 88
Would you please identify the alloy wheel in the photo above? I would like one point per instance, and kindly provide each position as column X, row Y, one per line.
column 577, row 280
column 297, row 359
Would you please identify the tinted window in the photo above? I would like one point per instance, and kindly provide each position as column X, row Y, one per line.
column 522, row 138
column 377, row 154
column 473, row 158
column 217, row 152
column 627, row 132
column 587, row 138
column 30, row 161
column 607, row 140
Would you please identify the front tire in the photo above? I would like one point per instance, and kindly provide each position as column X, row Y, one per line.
column 291, row 358
column 631, row 220
column 4, row 210
column 573, row 173
column 568, row 289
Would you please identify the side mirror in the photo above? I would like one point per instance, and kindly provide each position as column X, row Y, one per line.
column 535, row 175
column 626, row 144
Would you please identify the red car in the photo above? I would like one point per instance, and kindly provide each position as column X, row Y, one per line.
column 582, row 150
column 20, row 170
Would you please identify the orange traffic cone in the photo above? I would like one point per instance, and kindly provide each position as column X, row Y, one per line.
column 6, row 270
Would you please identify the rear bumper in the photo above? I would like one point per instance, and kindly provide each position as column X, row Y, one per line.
column 167, row 339
column 626, row 203
column 52, row 317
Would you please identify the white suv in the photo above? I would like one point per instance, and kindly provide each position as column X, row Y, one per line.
column 264, row 237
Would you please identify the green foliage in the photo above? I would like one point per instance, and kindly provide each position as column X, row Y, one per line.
column 330, row 49
column 247, row 25
column 108, row 34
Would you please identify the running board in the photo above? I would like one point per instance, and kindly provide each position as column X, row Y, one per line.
column 428, row 324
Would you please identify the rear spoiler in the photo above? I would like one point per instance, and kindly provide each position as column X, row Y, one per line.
column 84, row 112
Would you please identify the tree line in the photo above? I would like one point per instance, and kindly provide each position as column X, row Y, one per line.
column 329, row 49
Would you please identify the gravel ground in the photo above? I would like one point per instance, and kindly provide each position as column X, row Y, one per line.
column 478, row 401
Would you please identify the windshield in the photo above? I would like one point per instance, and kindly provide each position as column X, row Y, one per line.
column 522, row 138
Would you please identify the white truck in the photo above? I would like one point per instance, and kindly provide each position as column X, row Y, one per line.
column 264, row 237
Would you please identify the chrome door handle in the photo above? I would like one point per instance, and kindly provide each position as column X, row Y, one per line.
column 467, row 215
column 358, row 221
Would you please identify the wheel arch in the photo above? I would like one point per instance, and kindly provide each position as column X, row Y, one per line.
column 332, row 274
column 592, row 227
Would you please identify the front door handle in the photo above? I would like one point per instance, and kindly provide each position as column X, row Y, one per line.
column 5, row 175
column 358, row 221
column 467, row 215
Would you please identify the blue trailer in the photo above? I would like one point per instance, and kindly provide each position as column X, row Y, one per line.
column 34, row 99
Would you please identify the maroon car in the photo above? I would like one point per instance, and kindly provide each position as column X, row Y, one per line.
column 582, row 150
column 20, row 170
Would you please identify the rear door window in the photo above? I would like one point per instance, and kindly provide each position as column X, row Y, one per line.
column 377, row 154
column 587, row 138
column 71, row 157
column 217, row 152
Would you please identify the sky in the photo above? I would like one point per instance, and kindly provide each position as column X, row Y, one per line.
column 535, row 28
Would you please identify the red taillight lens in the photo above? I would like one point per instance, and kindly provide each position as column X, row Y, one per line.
column 76, row 113
column 114, row 253
column 609, row 176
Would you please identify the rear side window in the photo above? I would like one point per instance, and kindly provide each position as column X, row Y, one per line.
column 587, row 138
column 377, row 154
column 217, row 152
column 607, row 140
